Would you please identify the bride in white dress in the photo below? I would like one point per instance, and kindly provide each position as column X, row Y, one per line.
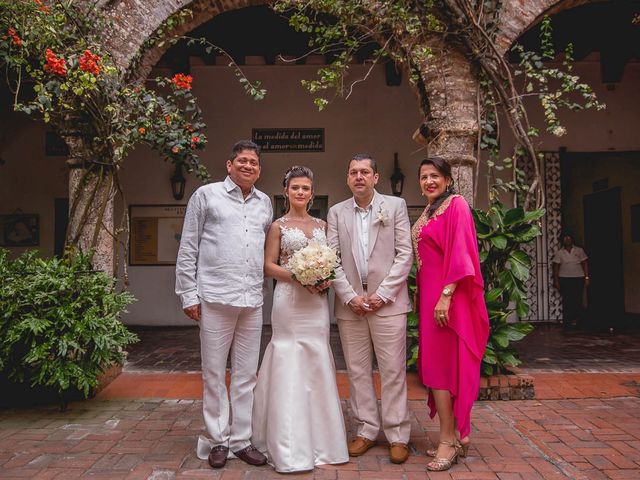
column 297, row 418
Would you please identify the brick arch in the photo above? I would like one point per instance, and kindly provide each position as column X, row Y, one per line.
column 137, row 21
column 520, row 15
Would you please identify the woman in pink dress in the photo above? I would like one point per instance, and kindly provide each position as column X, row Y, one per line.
column 454, row 325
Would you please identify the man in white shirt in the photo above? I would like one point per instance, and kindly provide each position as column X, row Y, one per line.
column 372, row 233
column 571, row 277
column 219, row 279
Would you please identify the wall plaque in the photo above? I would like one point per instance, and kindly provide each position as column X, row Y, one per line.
column 285, row 140
column 155, row 232
column 20, row 230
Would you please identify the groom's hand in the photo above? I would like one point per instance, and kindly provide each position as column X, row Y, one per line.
column 193, row 312
column 375, row 302
column 359, row 305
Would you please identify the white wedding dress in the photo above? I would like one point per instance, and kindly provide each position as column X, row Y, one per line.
column 297, row 417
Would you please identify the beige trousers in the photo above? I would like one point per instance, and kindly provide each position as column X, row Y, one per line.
column 387, row 336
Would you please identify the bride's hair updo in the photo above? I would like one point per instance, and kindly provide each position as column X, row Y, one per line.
column 296, row 171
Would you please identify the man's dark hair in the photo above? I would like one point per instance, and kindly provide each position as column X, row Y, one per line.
column 358, row 157
column 244, row 145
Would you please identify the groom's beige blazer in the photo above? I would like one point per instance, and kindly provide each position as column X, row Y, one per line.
column 390, row 255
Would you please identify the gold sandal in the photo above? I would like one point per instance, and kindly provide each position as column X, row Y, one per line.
column 440, row 464
column 464, row 449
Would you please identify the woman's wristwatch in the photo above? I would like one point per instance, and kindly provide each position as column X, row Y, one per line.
column 447, row 292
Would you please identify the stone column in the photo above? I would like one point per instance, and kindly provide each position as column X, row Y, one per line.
column 91, row 198
column 452, row 121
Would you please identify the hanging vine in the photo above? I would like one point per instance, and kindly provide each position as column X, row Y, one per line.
column 411, row 32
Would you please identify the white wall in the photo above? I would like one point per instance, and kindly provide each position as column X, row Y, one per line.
column 377, row 119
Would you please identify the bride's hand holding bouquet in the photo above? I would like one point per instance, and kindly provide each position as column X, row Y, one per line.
column 314, row 266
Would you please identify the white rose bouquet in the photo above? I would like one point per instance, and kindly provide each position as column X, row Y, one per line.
column 314, row 264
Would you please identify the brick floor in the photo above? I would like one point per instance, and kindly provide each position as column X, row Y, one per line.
column 584, row 423
column 548, row 386
column 155, row 439
column 547, row 349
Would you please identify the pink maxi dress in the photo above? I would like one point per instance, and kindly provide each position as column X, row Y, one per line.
column 449, row 357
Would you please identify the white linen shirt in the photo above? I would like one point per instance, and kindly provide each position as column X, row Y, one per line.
column 221, row 255
column 363, row 225
column 570, row 262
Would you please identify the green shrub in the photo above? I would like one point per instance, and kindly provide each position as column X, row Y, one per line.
column 59, row 322
column 505, row 267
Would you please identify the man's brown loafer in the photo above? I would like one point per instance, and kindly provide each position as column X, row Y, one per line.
column 359, row 446
column 398, row 452
column 251, row 455
column 218, row 456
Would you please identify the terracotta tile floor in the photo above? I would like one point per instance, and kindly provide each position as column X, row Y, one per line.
column 583, row 424
column 155, row 439
column 548, row 348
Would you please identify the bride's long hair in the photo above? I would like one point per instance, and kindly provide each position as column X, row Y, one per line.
column 296, row 171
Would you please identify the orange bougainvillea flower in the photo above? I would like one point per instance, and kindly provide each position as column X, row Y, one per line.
column 195, row 140
column 167, row 119
column 182, row 81
column 54, row 64
column 90, row 62
column 175, row 149
column 43, row 7
column 15, row 39
column 142, row 130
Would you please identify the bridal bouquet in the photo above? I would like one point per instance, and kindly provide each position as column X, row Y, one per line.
column 314, row 264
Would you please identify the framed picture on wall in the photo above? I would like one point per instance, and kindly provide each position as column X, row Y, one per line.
column 319, row 209
column 20, row 230
column 414, row 212
column 155, row 232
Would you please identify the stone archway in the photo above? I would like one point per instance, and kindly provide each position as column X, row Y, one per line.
column 136, row 23
column 518, row 17
column 448, row 81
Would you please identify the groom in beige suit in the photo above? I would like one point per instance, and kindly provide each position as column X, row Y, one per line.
column 372, row 233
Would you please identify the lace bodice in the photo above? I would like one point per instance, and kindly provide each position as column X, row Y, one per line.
column 295, row 234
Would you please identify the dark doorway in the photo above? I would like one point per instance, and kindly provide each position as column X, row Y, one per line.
column 61, row 219
column 603, row 242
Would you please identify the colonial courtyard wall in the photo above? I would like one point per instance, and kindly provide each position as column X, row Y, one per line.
column 377, row 118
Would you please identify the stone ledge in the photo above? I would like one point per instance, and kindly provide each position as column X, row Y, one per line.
column 106, row 377
column 507, row 387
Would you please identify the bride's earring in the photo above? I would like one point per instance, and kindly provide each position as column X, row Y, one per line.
column 309, row 204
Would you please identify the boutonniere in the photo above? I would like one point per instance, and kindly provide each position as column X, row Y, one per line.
column 382, row 217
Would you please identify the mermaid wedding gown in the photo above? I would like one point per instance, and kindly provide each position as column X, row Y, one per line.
column 297, row 417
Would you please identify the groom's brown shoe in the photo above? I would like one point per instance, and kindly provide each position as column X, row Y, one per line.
column 398, row 452
column 218, row 456
column 359, row 446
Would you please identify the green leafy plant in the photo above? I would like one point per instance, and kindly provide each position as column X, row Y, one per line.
column 502, row 232
column 413, row 321
column 59, row 322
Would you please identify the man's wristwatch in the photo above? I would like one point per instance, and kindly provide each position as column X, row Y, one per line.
column 447, row 292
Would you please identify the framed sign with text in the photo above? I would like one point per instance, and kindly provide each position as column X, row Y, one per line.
column 284, row 140
column 155, row 232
